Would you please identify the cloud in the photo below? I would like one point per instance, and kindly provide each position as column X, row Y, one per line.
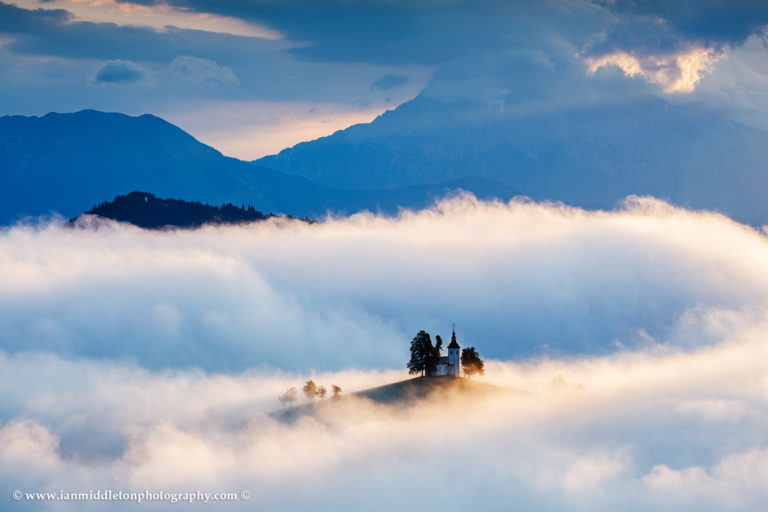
column 513, row 277
column 137, row 361
column 663, row 25
column 77, row 425
column 678, row 73
column 737, row 87
column 197, row 71
column 155, row 14
column 389, row 81
column 673, row 43
column 332, row 52
column 49, row 49
column 120, row 72
column 58, row 33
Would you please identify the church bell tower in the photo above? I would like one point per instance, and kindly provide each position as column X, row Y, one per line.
column 454, row 356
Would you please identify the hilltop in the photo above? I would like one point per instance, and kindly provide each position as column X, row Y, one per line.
column 148, row 211
column 411, row 390
column 405, row 393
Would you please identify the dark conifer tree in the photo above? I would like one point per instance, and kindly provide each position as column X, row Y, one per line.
column 422, row 355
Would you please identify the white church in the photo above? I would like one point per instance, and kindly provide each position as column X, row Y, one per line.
column 450, row 365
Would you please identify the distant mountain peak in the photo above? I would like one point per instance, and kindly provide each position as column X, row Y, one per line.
column 590, row 154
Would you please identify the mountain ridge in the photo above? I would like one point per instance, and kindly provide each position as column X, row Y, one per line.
column 68, row 162
column 590, row 155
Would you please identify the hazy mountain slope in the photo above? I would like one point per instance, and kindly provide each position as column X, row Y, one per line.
column 590, row 155
column 69, row 162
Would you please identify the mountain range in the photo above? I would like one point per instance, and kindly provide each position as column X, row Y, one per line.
column 592, row 155
column 65, row 163
column 589, row 155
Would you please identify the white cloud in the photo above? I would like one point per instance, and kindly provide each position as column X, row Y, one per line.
column 623, row 438
column 679, row 72
column 738, row 86
column 652, row 395
column 351, row 292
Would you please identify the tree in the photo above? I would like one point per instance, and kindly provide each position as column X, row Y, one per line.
column 288, row 397
column 321, row 391
column 336, row 390
column 434, row 357
column 471, row 362
column 310, row 389
column 422, row 355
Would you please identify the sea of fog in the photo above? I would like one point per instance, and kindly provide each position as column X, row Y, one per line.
column 135, row 360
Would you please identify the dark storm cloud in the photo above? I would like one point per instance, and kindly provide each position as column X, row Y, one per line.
column 422, row 32
column 656, row 26
column 15, row 20
column 51, row 32
column 389, row 81
column 120, row 72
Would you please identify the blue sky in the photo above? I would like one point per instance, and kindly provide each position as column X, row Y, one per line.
column 253, row 77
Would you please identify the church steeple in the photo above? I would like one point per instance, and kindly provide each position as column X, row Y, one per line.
column 454, row 360
column 453, row 343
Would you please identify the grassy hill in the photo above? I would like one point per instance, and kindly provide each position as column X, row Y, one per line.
column 405, row 393
column 411, row 390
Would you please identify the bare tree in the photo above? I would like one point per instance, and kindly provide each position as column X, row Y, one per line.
column 321, row 391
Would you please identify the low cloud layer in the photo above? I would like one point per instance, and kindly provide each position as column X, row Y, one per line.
column 516, row 279
column 628, row 347
column 643, row 430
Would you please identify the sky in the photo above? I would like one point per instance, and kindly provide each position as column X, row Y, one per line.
column 251, row 78
column 628, row 344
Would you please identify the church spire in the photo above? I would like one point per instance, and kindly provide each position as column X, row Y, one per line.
column 454, row 343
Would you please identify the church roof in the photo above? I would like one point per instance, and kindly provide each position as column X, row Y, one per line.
column 453, row 343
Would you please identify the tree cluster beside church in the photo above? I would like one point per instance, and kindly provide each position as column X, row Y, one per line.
column 428, row 359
